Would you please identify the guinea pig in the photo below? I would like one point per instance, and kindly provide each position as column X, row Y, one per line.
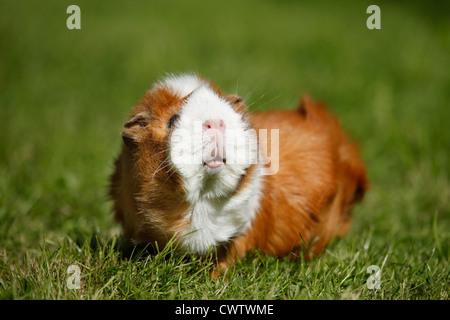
column 196, row 167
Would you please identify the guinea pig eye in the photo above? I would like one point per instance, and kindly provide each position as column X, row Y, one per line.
column 173, row 119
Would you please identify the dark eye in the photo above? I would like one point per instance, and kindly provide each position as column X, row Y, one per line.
column 173, row 119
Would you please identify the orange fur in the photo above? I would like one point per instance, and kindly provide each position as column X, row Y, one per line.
column 141, row 182
column 319, row 180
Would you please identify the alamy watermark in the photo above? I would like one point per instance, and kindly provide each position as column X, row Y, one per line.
column 193, row 146
column 374, row 281
column 74, row 20
column 74, row 280
column 374, row 20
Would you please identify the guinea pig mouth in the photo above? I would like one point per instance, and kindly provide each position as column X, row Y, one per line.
column 215, row 163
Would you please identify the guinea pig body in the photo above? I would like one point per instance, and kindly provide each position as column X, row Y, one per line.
column 195, row 167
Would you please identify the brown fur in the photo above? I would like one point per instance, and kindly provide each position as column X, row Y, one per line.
column 148, row 194
column 319, row 180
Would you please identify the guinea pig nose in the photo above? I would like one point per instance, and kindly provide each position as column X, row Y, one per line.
column 217, row 124
column 214, row 152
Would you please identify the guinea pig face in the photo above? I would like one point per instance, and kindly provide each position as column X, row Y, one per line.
column 212, row 143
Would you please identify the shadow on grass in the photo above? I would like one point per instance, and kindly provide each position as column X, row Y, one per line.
column 97, row 243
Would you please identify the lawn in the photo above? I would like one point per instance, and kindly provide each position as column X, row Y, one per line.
column 65, row 95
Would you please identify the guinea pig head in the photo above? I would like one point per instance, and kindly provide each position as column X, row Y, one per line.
column 146, row 136
column 187, row 143
column 212, row 144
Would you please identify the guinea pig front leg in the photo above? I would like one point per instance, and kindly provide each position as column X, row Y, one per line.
column 228, row 254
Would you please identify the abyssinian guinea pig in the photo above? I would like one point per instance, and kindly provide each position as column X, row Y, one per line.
column 198, row 169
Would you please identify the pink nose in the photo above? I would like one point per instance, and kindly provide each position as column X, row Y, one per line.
column 214, row 124
column 214, row 130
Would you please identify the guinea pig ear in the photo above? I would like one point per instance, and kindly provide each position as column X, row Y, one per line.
column 237, row 102
column 234, row 99
column 132, row 133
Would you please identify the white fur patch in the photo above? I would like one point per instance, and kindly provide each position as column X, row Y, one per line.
column 214, row 222
column 215, row 215
column 182, row 84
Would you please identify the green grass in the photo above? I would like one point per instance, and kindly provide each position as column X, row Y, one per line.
column 64, row 96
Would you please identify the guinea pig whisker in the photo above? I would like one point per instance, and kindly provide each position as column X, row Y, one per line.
column 158, row 171
column 168, row 176
column 250, row 94
column 159, row 168
column 170, row 169
column 165, row 150
column 254, row 102
column 265, row 103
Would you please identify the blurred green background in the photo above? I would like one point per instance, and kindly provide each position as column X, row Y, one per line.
column 65, row 94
